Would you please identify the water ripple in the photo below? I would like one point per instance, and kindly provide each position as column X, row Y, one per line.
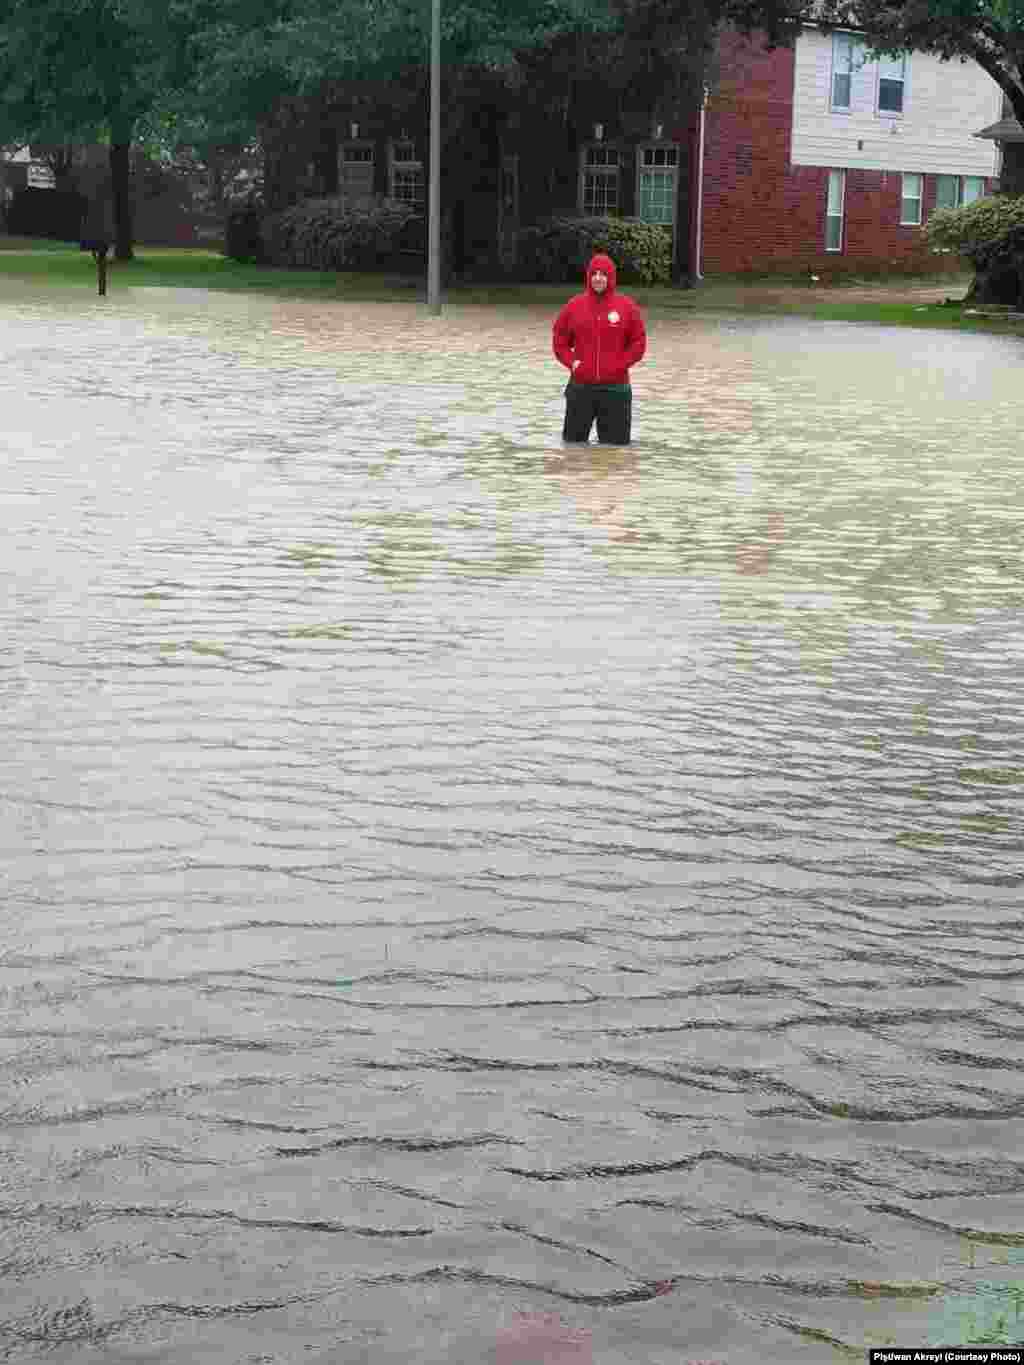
column 611, row 857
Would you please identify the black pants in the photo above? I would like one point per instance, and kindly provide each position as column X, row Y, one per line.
column 614, row 413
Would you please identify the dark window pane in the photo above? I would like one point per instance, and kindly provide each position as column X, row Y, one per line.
column 890, row 96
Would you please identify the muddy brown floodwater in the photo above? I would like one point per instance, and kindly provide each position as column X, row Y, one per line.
column 468, row 900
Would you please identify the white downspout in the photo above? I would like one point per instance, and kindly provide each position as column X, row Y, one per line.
column 699, row 244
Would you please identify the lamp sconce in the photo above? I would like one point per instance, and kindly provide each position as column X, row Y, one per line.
column 659, row 129
column 598, row 132
column 353, row 129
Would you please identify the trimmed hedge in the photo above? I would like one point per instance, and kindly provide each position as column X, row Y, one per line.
column 327, row 234
column 978, row 227
column 557, row 250
column 319, row 234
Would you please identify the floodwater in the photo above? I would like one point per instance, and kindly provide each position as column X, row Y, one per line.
column 470, row 900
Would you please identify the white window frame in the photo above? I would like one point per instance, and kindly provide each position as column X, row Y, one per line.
column 668, row 171
column 836, row 179
column 40, row 176
column 904, row 59
column 957, row 191
column 343, row 160
column 960, row 182
column 409, row 165
column 608, row 172
column 917, row 199
column 854, row 61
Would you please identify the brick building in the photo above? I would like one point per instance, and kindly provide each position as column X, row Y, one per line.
column 817, row 158
column 820, row 158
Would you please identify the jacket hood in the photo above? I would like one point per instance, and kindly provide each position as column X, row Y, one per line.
column 605, row 263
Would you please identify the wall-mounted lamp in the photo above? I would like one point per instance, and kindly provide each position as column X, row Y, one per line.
column 598, row 132
column 353, row 129
column 659, row 128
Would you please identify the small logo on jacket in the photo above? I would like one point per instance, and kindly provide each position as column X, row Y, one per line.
column 613, row 317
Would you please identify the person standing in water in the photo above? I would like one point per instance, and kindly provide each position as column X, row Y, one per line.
column 597, row 336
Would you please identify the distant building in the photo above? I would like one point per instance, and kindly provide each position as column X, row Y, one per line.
column 818, row 158
column 823, row 156
column 33, row 172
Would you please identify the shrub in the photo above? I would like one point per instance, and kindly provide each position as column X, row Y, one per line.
column 556, row 251
column 328, row 234
column 242, row 237
column 979, row 226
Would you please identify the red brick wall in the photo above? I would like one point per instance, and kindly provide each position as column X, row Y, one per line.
column 762, row 215
column 747, row 221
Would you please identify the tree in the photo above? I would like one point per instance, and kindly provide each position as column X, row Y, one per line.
column 271, row 76
column 83, row 70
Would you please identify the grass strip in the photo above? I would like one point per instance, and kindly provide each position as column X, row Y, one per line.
column 53, row 264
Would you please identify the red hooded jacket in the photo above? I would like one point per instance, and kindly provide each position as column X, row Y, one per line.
column 604, row 332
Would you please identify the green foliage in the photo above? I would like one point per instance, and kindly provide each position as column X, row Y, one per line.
column 642, row 251
column 556, row 251
column 327, row 234
column 240, row 60
column 976, row 227
column 71, row 70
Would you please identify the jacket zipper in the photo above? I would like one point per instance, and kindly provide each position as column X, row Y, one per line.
column 597, row 327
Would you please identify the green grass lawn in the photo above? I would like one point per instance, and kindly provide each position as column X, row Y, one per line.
column 62, row 263
column 52, row 264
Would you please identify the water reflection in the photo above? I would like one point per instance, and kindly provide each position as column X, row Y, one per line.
column 600, row 480
column 454, row 885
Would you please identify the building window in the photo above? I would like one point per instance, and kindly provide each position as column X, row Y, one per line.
column 355, row 172
column 834, row 211
column 954, row 191
column 847, row 57
column 407, row 184
column 892, row 74
column 40, row 176
column 910, row 200
column 600, row 181
column 658, row 167
column 947, row 191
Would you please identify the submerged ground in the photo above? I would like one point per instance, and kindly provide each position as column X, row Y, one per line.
column 448, row 879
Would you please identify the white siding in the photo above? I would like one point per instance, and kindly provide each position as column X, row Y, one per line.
column 943, row 104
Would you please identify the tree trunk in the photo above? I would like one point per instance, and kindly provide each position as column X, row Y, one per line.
column 120, row 173
column 998, row 277
column 1011, row 178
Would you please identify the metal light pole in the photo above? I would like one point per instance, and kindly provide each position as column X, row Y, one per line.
column 434, row 222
